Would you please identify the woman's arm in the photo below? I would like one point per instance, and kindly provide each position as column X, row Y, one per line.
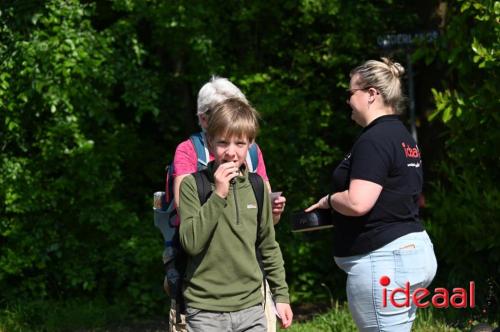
column 278, row 203
column 356, row 201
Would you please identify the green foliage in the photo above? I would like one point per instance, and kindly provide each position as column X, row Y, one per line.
column 63, row 232
column 86, row 133
column 464, row 203
column 66, row 316
column 95, row 95
column 97, row 315
column 339, row 319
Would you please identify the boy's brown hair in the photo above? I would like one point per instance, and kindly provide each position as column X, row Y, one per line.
column 233, row 117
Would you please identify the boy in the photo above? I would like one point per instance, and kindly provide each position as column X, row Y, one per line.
column 186, row 162
column 223, row 278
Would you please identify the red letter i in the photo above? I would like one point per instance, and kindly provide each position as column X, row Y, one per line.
column 472, row 294
column 384, row 297
column 384, row 281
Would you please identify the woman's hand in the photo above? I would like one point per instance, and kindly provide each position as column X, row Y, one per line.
column 223, row 174
column 356, row 201
column 321, row 204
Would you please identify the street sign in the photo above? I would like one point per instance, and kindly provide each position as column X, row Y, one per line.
column 401, row 40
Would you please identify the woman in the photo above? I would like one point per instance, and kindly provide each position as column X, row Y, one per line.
column 379, row 240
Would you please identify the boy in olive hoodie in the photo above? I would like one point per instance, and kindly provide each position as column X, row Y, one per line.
column 223, row 277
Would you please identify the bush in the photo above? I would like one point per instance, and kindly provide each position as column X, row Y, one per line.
column 62, row 316
column 463, row 202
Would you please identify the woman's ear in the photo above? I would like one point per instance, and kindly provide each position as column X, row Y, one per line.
column 203, row 120
column 372, row 92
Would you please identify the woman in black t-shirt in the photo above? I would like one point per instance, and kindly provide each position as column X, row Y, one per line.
column 379, row 240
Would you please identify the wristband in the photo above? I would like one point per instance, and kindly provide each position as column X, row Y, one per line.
column 329, row 201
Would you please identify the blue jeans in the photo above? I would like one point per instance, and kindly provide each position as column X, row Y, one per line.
column 409, row 258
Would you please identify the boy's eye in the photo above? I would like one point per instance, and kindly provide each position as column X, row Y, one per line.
column 241, row 141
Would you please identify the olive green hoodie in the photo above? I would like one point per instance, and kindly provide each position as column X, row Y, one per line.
column 219, row 237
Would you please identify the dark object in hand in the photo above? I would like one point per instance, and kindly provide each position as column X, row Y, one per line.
column 311, row 221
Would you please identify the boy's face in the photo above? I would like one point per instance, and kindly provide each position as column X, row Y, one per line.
column 230, row 149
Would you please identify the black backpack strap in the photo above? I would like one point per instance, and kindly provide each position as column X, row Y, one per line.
column 258, row 190
column 202, row 185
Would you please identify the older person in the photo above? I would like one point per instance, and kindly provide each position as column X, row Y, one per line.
column 379, row 240
column 212, row 93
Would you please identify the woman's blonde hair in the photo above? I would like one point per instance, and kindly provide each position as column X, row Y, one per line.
column 233, row 117
column 385, row 76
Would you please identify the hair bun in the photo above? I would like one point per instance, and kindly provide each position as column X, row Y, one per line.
column 395, row 67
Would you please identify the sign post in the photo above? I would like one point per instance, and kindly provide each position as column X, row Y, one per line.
column 406, row 41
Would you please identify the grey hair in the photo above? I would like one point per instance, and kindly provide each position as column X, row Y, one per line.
column 215, row 91
column 385, row 76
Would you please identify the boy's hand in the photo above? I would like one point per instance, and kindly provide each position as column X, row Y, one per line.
column 285, row 314
column 224, row 173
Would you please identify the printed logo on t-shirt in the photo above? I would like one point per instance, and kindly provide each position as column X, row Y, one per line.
column 412, row 153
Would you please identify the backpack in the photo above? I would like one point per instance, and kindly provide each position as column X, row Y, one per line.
column 167, row 221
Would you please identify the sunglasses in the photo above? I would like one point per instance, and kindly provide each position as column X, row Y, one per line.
column 350, row 92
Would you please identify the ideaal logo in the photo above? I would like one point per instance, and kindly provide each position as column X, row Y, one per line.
column 409, row 151
column 439, row 299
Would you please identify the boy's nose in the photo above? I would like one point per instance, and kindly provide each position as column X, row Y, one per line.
column 231, row 150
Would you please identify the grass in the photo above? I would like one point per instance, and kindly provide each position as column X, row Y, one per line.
column 55, row 316
column 98, row 316
column 339, row 320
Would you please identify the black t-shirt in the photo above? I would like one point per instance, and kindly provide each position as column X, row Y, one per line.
column 386, row 154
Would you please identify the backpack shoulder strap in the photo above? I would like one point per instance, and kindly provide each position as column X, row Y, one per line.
column 169, row 186
column 202, row 185
column 201, row 149
column 253, row 158
column 258, row 190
